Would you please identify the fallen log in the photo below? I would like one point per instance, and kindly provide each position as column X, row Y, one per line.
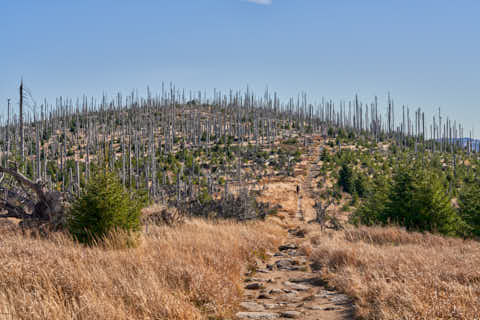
column 48, row 206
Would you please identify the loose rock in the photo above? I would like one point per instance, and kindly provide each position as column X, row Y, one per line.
column 254, row 286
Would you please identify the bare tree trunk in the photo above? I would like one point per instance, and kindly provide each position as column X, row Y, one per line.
column 22, row 140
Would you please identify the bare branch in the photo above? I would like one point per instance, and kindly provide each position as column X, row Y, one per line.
column 36, row 187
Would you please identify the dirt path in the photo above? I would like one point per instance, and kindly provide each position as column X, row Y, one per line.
column 284, row 286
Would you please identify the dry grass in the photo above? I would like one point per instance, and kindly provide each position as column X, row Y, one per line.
column 393, row 274
column 190, row 272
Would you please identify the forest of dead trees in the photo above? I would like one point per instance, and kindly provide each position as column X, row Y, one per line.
column 177, row 146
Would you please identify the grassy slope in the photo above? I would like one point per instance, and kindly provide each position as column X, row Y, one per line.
column 194, row 271
column 393, row 274
column 184, row 273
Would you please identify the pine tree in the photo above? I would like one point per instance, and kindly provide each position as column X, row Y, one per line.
column 469, row 207
column 370, row 212
column 104, row 206
column 432, row 207
column 415, row 198
column 345, row 179
column 419, row 201
column 361, row 185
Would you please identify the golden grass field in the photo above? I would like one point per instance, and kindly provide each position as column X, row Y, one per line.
column 193, row 271
column 393, row 274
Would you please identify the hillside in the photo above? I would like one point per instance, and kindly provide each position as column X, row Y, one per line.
column 254, row 209
column 239, row 160
column 199, row 270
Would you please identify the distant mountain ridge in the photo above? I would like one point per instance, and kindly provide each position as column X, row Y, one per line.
column 465, row 141
column 474, row 142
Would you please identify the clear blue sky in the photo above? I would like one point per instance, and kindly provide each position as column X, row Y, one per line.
column 425, row 52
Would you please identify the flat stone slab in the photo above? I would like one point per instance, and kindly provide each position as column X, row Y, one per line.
column 298, row 280
column 264, row 296
column 296, row 286
column 252, row 306
column 284, row 263
column 291, row 314
column 257, row 315
column 263, row 271
column 272, row 305
column 339, row 299
column 276, row 291
column 290, row 246
column 314, row 307
column 254, row 286
column 291, row 297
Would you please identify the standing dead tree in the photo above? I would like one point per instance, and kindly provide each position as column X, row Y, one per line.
column 22, row 131
column 178, row 148
column 321, row 211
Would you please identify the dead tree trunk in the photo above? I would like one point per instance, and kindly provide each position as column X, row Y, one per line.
column 22, row 139
column 42, row 208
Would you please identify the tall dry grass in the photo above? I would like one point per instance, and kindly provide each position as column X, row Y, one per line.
column 393, row 274
column 188, row 272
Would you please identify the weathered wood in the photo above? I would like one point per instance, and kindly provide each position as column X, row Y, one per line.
column 48, row 207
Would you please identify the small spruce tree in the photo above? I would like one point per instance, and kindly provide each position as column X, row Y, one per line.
column 361, row 185
column 416, row 198
column 469, row 207
column 369, row 213
column 104, row 206
column 346, row 179
column 419, row 201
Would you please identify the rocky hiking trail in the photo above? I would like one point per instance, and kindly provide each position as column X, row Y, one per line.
column 284, row 285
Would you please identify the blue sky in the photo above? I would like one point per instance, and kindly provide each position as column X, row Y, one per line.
column 425, row 52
